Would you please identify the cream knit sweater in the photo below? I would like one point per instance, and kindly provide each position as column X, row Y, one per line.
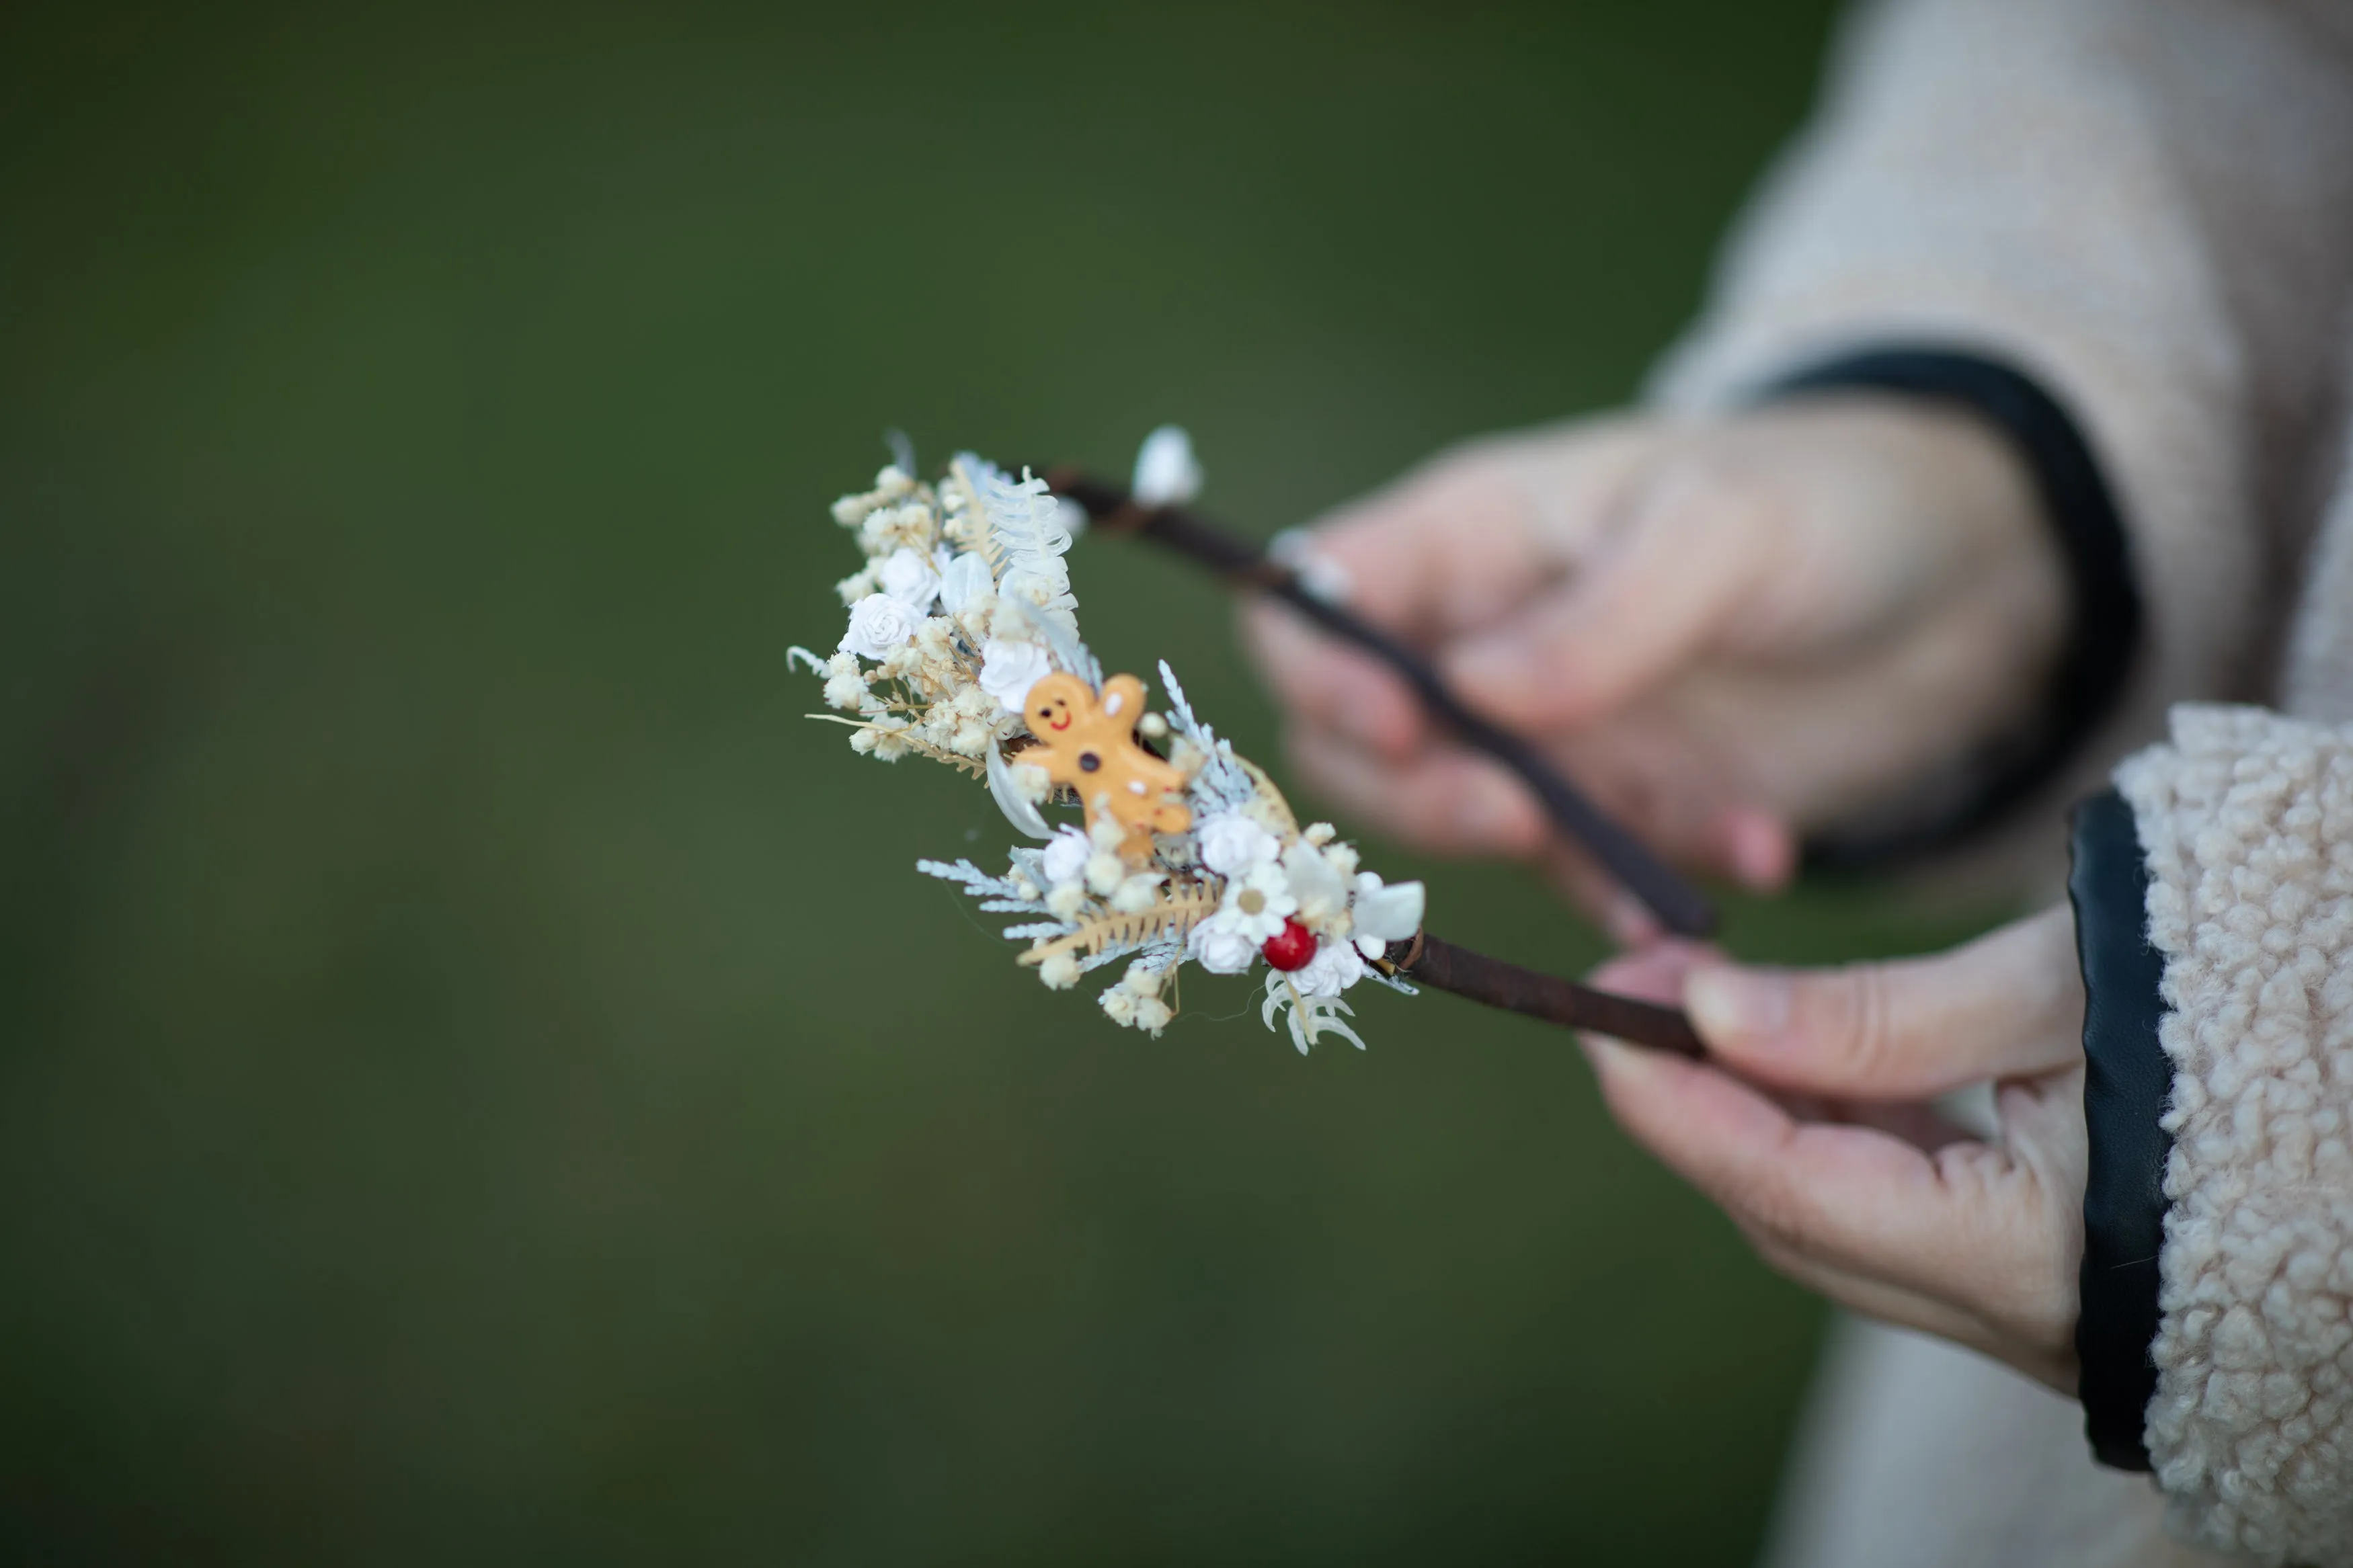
column 2147, row 205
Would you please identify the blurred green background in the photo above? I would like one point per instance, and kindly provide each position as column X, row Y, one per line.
column 481, row 1078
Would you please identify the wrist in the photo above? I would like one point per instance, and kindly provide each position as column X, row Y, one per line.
column 2033, row 744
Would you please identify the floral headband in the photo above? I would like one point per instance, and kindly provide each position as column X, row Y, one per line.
column 962, row 647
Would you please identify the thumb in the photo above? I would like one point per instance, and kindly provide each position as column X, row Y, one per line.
column 2009, row 1004
column 1626, row 619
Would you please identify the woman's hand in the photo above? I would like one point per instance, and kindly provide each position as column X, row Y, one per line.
column 1731, row 631
column 1826, row 1153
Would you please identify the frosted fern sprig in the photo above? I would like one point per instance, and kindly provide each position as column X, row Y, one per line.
column 1310, row 1018
column 1116, row 934
column 1221, row 779
column 976, row 880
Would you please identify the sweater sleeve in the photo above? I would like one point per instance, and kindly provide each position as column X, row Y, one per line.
column 2246, row 823
column 2145, row 205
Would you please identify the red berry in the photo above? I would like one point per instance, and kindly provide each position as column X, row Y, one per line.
column 1292, row 947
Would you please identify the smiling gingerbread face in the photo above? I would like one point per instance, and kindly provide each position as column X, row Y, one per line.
column 1089, row 743
column 1053, row 715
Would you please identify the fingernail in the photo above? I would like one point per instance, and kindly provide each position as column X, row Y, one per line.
column 1608, row 1056
column 1752, row 1004
column 1628, row 921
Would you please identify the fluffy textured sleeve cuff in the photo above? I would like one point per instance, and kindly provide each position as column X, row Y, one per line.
column 2246, row 819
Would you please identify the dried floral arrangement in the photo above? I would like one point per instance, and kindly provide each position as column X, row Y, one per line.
column 962, row 647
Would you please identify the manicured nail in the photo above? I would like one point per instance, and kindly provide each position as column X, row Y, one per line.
column 1751, row 1004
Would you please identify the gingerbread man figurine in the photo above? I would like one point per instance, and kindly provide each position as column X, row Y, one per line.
column 1089, row 743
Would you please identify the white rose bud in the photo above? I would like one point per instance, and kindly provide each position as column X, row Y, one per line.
column 907, row 577
column 1220, row 949
column 1008, row 669
column 1335, row 966
column 879, row 625
column 1231, row 844
column 1166, row 473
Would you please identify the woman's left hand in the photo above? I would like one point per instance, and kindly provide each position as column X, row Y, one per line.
column 1825, row 1151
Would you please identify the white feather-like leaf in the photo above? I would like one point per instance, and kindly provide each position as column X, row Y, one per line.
column 1010, row 800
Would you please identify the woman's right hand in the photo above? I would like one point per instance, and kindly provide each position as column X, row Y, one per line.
column 1732, row 631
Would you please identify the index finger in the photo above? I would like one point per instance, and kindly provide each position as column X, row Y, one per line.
column 1849, row 1196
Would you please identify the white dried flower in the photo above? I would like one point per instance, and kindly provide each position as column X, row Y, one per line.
column 854, row 587
column 1319, row 834
column 1033, row 782
column 887, row 529
column 878, row 625
column 1152, row 727
column 1335, row 966
column 1119, row 1005
column 1144, row 978
column 969, row 737
column 1231, row 844
column 1047, row 586
column 1025, row 889
column 1008, row 669
column 1322, row 891
column 883, row 738
column 1220, row 946
column 1152, row 1016
column 1064, row 858
column 1137, row 893
column 1385, row 914
column 965, row 581
column 847, row 692
column 1067, row 899
column 1104, row 872
column 910, row 578
column 1059, row 972
column 1107, row 835
column 976, row 618
column 1166, row 474
column 1317, row 572
column 1259, row 902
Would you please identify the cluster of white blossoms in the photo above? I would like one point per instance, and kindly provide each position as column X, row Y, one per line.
column 954, row 615
column 964, row 604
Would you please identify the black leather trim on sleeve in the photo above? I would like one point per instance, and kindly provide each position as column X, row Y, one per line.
column 2082, row 511
column 2127, row 1082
